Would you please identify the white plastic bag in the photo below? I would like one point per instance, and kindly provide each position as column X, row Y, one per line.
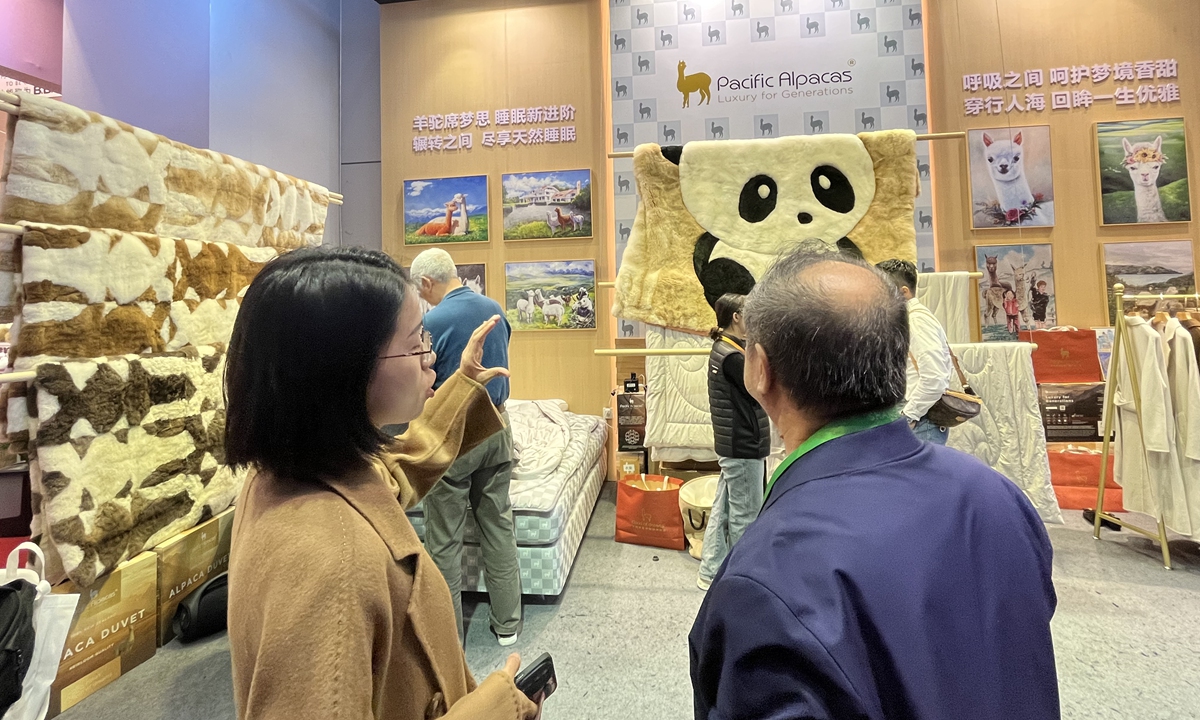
column 52, row 616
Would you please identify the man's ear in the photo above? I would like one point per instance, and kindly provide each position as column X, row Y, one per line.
column 757, row 374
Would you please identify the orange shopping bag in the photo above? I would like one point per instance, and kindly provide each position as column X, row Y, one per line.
column 648, row 511
column 1075, row 474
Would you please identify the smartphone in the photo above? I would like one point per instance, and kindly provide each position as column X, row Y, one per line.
column 538, row 680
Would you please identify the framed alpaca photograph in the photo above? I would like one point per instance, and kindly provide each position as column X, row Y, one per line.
column 1143, row 172
column 1017, row 290
column 539, row 206
column 1154, row 267
column 555, row 295
column 446, row 210
column 1012, row 177
column 474, row 276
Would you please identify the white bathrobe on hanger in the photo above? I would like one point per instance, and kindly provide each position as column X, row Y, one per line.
column 1184, row 378
column 1152, row 481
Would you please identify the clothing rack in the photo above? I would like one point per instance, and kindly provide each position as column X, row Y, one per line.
column 11, row 104
column 606, row 284
column 927, row 136
column 687, row 352
column 1122, row 343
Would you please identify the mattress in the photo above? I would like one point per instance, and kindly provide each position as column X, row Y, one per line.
column 678, row 423
column 545, row 568
column 1007, row 434
column 559, row 451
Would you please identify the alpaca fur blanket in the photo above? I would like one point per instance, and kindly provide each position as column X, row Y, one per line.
column 714, row 215
column 129, row 452
column 72, row 167
column 88, row 293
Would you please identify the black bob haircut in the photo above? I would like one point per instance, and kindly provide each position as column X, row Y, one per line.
column 835, row 355
column 902, row 272
column 303, row 351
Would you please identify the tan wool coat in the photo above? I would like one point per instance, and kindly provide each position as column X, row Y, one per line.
column 336, row 612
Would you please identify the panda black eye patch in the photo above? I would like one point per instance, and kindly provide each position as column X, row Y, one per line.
column 831, row 189
column 759, row 195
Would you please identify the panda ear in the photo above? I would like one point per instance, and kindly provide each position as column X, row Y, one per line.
column 672, row 153
column 847, row 247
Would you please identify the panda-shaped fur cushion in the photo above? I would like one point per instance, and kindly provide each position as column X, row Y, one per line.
column 753, row 200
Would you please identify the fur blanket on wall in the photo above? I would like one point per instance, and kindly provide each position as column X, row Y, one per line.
column 88, row 293
column 72, row 167
column 129, row 452
column 714, row 215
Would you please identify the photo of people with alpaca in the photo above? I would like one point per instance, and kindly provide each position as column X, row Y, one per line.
column 1017, row 290
column 1012, row 180
column 446, row 210
column 1143, row 171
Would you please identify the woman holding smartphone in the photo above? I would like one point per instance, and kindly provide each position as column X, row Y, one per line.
column 335, row 609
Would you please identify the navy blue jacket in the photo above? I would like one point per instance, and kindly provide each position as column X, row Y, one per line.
column 451, row 324
column 888, row 579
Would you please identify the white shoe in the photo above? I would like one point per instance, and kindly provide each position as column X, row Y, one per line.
column 506, row 640
column 703, row 584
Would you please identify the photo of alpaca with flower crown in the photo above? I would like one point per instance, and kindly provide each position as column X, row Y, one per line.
column 1143, row 172
column 1012, row 180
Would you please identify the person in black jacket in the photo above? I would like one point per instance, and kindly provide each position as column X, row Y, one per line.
column 742, row 435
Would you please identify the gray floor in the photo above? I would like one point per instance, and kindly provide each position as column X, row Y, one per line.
column 1127, row 636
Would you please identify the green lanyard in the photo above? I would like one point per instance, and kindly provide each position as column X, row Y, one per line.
column 832, row 431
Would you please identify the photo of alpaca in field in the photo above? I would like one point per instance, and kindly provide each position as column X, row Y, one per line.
column 557, row 295
column 446, row 210
column 1012, row 180
column 1143, row 171
column 556, row 204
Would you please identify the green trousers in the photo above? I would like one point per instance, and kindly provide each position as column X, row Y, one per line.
column 480, row 478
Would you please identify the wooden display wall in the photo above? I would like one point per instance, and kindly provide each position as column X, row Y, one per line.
column 455, row 56
column 979, row 36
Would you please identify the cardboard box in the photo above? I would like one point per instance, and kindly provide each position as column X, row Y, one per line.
column 1072, row 412
column 114, row 631
column 186, row 562
column 631, row 422
column 631, row 463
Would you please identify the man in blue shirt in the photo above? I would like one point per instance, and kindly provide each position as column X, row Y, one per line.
column 886, row 577
column 481, row 476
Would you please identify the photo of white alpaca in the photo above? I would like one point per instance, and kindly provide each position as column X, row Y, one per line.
column 1144, row 162
column 1143, row 167
column 1012, row 181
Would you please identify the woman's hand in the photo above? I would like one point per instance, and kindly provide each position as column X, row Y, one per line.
column 511, row 667
column 471, row 364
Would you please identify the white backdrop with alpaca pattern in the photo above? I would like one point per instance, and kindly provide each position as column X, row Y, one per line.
column 763, row 68
column 1017, row 290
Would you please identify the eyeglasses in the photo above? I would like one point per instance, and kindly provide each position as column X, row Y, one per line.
column 425, row 353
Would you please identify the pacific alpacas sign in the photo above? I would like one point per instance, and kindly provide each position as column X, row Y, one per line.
column 742, row 69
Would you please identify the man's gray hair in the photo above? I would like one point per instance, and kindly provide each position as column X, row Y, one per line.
column 835, row 353
column 435, row 264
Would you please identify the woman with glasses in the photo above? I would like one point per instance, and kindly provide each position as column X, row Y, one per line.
column 335, row 609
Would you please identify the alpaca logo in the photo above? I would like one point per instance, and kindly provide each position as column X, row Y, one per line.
column 693, row 83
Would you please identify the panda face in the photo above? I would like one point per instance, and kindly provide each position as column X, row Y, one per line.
column 763, row 196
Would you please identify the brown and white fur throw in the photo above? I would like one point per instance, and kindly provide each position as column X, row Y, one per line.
column 129, row 452
column 88, row 293
column 73, row 167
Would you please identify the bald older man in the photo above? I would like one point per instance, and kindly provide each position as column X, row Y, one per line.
column 886, row 577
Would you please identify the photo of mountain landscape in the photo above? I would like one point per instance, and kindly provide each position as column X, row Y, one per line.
column 1161, row 266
